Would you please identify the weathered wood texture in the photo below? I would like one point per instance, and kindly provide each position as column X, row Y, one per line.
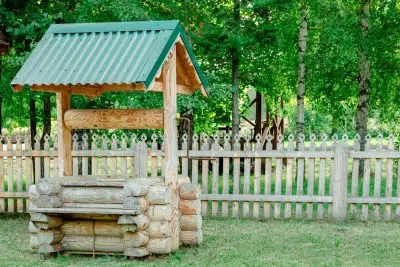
column 114, row 119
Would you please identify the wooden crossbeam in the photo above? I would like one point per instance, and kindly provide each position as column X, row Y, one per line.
column 114, row 119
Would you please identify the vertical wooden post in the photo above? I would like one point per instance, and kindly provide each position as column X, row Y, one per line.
column 339, row 190
column 170, row 127
column 64, row 136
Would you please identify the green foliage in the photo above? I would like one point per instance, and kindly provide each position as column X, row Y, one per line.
column 267, row 44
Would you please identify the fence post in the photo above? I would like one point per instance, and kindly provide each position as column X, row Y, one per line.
column 339, row 209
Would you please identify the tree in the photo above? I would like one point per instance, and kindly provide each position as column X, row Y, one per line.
column 301, row 76
column 235, row 70
column 364, row 74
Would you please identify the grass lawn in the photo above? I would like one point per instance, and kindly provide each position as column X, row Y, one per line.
column 238, row 242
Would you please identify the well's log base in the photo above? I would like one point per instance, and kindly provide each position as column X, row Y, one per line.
column 132, row 217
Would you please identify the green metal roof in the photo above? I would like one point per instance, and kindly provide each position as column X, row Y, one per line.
column 103, row 53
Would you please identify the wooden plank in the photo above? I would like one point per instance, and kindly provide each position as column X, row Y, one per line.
column 2, row 177
column 375, row 154
column 114, row 119
column 311, row 177
column 236, row 176
column 354, row 176
column 289, row 178
column 389, row 180
column 154, row 159
column 28, row 167
column 75, row 162
column 257, row 178
column 300, row 176
column 18, row 175
column 268, row 178
column 94, row 146
column 195, row 162
column 339, row 194
column 269, row 198
column 10, row 176
column 104, row 160
column 332, row 173
column 204, row 175
column 278, row 179
column 321, row 178
column 366, row 180
column 398, row 190
column 374, row 200
column 64, row 135
column 85, row 160
column 378, row 178
column 114, row 147
column 170, row 127
column 132, row 151
column 14, row 195
column 246, row 176
column 225, row 175
column 38, row 175
column 215, row 176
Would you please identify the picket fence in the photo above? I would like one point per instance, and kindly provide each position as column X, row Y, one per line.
column 239, row 178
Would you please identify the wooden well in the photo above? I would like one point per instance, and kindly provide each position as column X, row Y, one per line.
column 128, row 215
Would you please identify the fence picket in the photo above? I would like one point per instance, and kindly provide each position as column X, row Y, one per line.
column 321, row 177
column 46, row 159
column 94, row 146
column 300, row 176
column 124, row 147
column 257, row 178
column 18, row 174
column 246, row 176
column 311, row 177
column 28, row 166
column 204, row 175
column 75, row 162
column 355, row 176
column 10, row 175
column 236, row 176
column 133, row 159
column 366, row 180
column 104, row 159
column 289, row 178
column 38, row 175
column 114, row 147
column 185, row 160
column 154, row 159
column 268, row 178
column 2, row 200
column 278, row 179
column 55, row 159
column 389, row 180
column 215, row 175
column 85, row 162
column 195, row 162
column 377, row 179
column 398, row 190
column 335, row 139
column 225, row 175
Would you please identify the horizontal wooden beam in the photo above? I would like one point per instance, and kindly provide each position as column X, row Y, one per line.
column 114, row 119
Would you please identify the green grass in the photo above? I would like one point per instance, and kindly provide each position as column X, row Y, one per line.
column 231, row 242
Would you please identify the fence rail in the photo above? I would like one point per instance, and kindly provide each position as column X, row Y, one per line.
column 239, row 177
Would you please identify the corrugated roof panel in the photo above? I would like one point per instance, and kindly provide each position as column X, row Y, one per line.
column 101, row 53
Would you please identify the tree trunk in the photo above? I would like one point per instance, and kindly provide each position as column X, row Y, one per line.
column 32, row 118
column 364, row 82
column 1, row 114
column 258, row 127
column 235, row 71
column 46, row 116
column 301, row 76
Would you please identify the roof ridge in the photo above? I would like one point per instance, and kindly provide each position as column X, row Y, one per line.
column 114, row 26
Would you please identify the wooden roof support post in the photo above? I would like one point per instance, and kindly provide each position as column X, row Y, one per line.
column 170, row 127
column 64, row 135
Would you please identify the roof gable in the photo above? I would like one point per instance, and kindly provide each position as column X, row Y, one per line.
column 93, row 54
